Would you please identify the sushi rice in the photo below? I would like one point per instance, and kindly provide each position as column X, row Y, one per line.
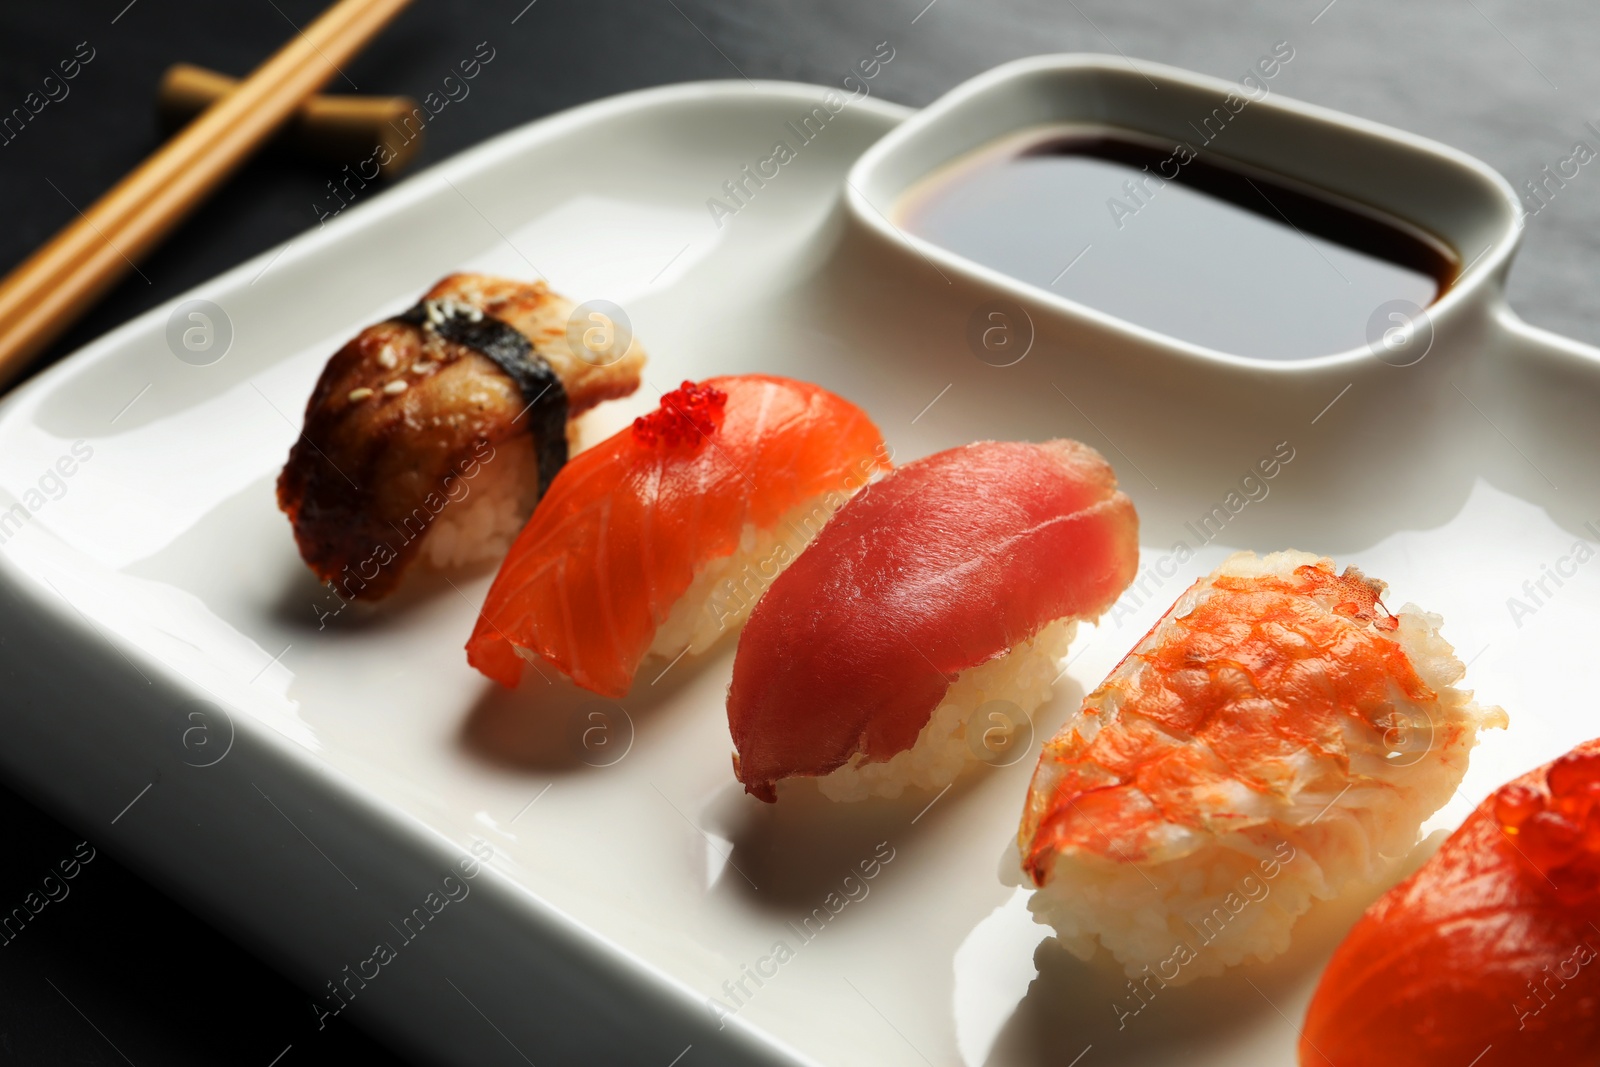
column 1204, row 899
column 725, row 589
column 481, row 525
column 1021, row 679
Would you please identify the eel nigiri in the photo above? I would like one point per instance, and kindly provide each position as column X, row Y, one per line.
column 952, row 585
column 1274, row 738
column 658, row 540
column 432, row 434
column 1488, row 954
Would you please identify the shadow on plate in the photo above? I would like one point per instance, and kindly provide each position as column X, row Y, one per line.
column 306, row 604
column 801, row 848
column 549, row 724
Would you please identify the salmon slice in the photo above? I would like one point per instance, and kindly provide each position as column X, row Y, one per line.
column 945, row 565
column 1488, row 954
column 628, row 526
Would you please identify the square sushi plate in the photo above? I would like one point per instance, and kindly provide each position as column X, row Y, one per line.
column 490, row 876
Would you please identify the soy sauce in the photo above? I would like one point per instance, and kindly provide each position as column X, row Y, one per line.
column 1181, row 240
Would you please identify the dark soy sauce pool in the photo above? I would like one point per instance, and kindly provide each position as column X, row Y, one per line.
column 1220, row 254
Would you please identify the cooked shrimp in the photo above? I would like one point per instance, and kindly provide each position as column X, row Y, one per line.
column 1272, row 739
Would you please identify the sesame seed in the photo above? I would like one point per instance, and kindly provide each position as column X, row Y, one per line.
column 387, row 358
column 358, row 395
column 395, row 388
column 422, row 366
column 439, row 311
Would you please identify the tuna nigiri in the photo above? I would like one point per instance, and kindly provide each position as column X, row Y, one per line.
column 1487, row 955
column 658, row 540
column 1273, row 739
column 951, row 585
column 430, row 436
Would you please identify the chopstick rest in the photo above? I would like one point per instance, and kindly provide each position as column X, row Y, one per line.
column 337, row 129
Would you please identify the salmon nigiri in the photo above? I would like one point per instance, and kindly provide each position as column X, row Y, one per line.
column 658, row 540
column 928, row 619
column 1490, row 954
column 1273, row 739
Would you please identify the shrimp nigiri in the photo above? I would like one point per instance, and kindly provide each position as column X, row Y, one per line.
column 928, row 619
column 1272, row 739
column 1490, row 954
column 430, row 436
column 658, row 540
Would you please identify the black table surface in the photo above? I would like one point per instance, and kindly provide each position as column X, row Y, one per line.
column 116, row 972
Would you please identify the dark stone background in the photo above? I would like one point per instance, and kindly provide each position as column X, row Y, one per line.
column 117, row 973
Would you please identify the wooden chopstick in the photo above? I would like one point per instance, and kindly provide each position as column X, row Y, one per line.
column 60, row 281
column 335, row 128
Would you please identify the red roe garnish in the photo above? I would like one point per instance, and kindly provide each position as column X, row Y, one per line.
column 688, row 413
column 1515, row 804
column 1558, row 831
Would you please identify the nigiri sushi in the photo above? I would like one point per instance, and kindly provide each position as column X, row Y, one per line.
column 1487, row 956
column 952, row 584
column 1273, row 739
column 431, row 435
column 658, row 540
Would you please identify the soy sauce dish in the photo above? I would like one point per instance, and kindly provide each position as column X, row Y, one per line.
column 1183, row 241
column 1187, row 213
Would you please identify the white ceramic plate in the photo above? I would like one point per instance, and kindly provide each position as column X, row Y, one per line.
column 178, row 685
